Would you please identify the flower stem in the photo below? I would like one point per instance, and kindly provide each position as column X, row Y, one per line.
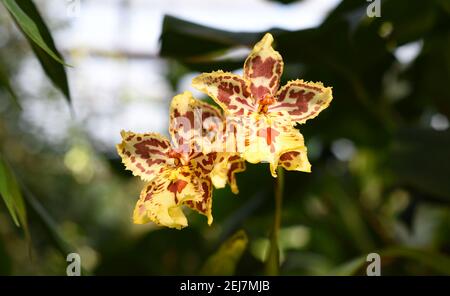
column 273, row 256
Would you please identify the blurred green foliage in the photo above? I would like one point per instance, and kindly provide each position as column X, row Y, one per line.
column 224, row 261
column 380, row 180
column 30, row 22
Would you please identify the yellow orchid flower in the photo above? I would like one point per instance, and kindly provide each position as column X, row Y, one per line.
column 199, row 126
column 177, row 174
column 265, row 115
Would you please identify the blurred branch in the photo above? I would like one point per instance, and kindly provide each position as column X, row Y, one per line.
column 51, row 226
column 273, row 258
column 6, row 85
column 111, row 54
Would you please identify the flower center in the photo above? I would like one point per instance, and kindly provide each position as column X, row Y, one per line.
column 264, row 103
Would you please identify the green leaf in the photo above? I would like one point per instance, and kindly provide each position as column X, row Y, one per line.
column 419, row 158
column 10, row 192
column 29, row 26
column 183, row 39
column 31, row 23
column 6, row 85
column 224, row 261
column 198, row 46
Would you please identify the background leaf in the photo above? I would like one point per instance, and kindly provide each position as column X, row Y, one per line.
column 10, row 192
column 31, row 23
column 420, row 158
column 224, row 261
column 6, row 86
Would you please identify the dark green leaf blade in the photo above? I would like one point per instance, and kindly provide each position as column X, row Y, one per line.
column 31, row 23
column 10, row 192
column 184, row 39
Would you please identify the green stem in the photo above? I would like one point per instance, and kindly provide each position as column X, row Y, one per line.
column 273, row 257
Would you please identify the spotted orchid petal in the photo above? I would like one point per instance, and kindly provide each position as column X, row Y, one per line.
column 201, row 165
column 296, row 160
column 195, row 125
column 225, row 169
column 194, row 121
column 145, row 155
column 263, row 68
column 302, row 100
column 270, row 138
column 161, row 200
column 204, row 205
column 231, row 92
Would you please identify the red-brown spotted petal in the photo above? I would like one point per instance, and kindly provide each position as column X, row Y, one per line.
column 144, row 154
column 263, row 68
column 228, row 164
column 295, row 160
column 236, row 164
column 270, row 137
column 231, row 92
column 302, row 100
column 202, row 164
column 161, row 200
column 195, row 125
column 203, row 206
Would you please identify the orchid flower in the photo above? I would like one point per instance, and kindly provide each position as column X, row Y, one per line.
column 266, row 115
column 177, row 173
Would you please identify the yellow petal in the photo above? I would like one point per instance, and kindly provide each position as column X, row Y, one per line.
column 225, row 169
column 263, row 68
column 204, row 205
column 161, row 200
column 295, row 160
column 271, row 136
column 144, row 154
column 201, row 166
column 231, row 92
column 302, row 100
column 195, row 125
